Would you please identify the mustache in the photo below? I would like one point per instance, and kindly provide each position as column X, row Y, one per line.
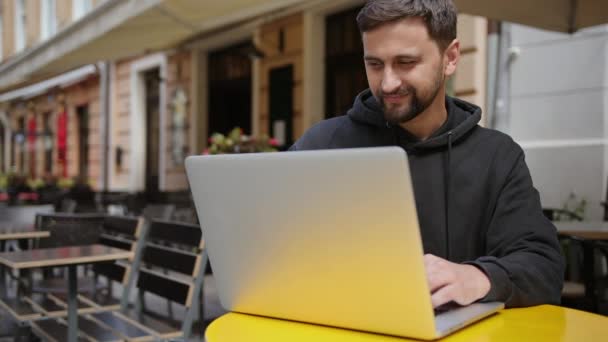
column 399, row 92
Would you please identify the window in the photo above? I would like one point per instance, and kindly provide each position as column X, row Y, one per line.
column 1, row 37
column 20, row 22
column 80, row 8
column 345, row 75
column 47, row 136
column 48, row 18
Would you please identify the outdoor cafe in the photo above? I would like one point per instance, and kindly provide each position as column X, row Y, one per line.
column 145, row 276
column 120, row 222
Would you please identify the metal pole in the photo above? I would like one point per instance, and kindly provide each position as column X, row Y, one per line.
column 72, row 304
column 104, row 102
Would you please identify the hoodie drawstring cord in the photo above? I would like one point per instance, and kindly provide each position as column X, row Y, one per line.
column 394, row 132
column 447, row 196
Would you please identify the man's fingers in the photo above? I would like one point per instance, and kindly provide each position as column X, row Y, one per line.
column 442, row 296
column 438, row 272
column 438, row 278
column 430, row 259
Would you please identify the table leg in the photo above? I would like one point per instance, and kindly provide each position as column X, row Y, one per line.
column 3, row 274
column 589, row 274
column 72, row 304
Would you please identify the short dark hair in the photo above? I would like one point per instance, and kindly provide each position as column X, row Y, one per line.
column 440, row 16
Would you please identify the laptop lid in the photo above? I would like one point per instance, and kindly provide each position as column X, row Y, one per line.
column 328, row 237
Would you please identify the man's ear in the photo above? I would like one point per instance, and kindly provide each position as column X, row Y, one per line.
column 451, row 56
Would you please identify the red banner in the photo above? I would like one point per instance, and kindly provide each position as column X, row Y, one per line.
column 31, row 134
column 62, row 137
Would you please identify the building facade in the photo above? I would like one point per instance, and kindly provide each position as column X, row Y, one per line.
column 48, row 127
column 275, row 73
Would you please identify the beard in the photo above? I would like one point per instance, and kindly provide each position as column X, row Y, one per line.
column 419, row 101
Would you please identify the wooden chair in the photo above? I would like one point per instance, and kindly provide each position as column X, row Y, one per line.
column 573, row 289
column 48, row 298
column 589, row 292
column 158, row 211
column 173, row 247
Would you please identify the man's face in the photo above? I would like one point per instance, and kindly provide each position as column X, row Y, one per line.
column 405, row 68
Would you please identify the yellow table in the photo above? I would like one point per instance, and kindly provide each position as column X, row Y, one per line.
column 540, row 323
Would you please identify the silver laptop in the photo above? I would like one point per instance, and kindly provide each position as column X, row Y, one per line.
column 328, row 237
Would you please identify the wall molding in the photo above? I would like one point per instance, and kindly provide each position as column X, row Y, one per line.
column 137, row 171
column 7, row 140
column 561, row 143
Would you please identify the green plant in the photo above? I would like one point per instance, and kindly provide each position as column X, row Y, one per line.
column 237, row 142
column 65, row 183
column 575, row 205
column 3, row 181
column 35, row 183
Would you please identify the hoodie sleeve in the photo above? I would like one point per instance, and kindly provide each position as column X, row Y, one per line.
column 523, row 257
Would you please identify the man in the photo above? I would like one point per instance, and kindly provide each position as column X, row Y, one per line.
column 480, row 216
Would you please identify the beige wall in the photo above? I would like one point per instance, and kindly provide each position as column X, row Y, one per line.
column 470, row 77
column 33, row 9
column 85, row 93
column 82, row 93
column 119, row 119
column 32, row 22
column 64, row 13
column 8, row 24
column 267, row 39
column 179, row 73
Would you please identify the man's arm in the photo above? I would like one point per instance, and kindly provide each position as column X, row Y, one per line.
column 523, row 266
column 524, row 261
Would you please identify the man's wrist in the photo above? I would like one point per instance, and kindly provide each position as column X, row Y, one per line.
column 481, row 281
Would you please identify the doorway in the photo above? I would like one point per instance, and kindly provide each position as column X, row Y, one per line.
column 152, row 82
column 281, row 105
column 344, row 68
column 2, row 147
column 47, row 137
column 82, row 113
column 229, row 73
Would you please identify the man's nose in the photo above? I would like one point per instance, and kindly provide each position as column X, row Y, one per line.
column 390, row 82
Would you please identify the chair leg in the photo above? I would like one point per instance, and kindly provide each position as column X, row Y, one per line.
column 169, row 310
column 201, row 309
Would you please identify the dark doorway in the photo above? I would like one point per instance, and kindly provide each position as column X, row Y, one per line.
column 344, row 68
column 229, row 89
column 20, row 139
column 281, row 105
column 152, row 103
column 47, row 136
column 2, row 148
column 82, row 112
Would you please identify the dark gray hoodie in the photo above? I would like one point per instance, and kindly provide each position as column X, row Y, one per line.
column 474, row 196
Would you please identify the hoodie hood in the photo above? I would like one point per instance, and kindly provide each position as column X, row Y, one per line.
column 462, row 118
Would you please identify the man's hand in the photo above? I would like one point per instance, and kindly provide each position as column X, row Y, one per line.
column 463, row 284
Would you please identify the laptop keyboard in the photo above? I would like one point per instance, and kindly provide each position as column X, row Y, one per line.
column 446, row 307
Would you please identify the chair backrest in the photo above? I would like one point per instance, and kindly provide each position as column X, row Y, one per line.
column 158, row 211
column 605, row 203
column 555, row 214
column 69, row 229
column 122, row 232
column 173, row 264
column 67, row 205
column 186, row 215
column 26, row 214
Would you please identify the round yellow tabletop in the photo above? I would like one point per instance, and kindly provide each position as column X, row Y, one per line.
column 540, row 323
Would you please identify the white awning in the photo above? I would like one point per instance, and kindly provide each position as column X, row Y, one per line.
column 556, row 15
column 62, row 80
column 122, row 28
